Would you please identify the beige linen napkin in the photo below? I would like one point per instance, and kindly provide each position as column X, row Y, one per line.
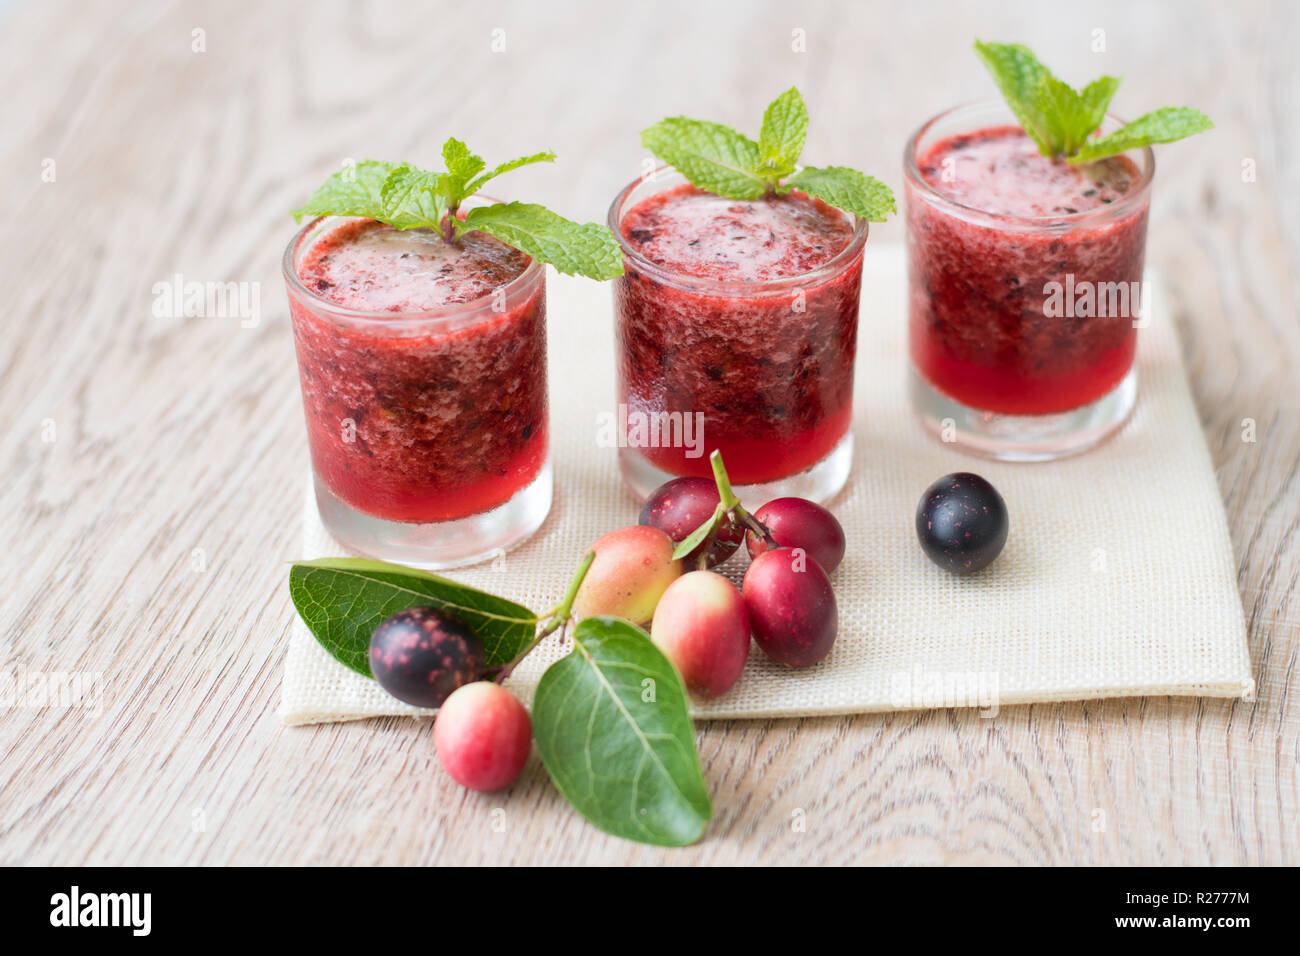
column 1118, row 577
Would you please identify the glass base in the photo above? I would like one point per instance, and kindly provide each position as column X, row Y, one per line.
column 440, row 544
column 1023, row 437
column 819, row 483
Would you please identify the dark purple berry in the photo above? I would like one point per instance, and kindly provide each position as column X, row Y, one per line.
column 680, row 506
column 421, row 655
column 962, row 523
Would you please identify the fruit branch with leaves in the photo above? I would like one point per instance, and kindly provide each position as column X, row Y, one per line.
column 610, row 718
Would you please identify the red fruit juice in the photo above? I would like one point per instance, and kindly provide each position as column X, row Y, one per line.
column 423, row 369
column 1012, row 226
column 717, row 316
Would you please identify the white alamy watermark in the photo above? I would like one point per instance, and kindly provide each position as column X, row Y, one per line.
column 179, row 298
column 637, row 429
column 921, row 688
column 1085, row 299
column 75, row 908
column 37, row 690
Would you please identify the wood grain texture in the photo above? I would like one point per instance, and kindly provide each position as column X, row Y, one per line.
column 152, row 466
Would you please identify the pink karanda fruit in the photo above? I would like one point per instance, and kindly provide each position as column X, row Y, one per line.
column 482, row 735
column 800, row 523
column 702, row 626
column 791, row 606
column 632, row 569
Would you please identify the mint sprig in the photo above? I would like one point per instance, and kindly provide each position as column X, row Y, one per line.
column 720, row 160
column 408, row 197
column 1061, row 120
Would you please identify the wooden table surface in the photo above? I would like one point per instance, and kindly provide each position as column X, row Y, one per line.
column 153, row 464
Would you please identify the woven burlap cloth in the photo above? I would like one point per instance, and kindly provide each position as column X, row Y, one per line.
column 1117, row 580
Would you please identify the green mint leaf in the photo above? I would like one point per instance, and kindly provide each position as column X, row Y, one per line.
column 544, row 157
column 586, row 249
column 780, row 142
column 1071, row 116
column 713, row 157
column 414, row 198
column 343, row 600
column 1094, row 100
column 462, row 167
column 1021, row 78
column 612, row 728
column 1162, row 126
column 355, row 190
column 1060, row 108
column 864, row 196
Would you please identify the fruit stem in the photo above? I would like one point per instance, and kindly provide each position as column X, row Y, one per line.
column 566, row 606
column 732, row 504
column 751, row 523
column 557, row 619
column 725, row 494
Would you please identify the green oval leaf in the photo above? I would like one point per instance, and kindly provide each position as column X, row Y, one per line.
column 342, row 601
column 696, row 537
column 611, row 725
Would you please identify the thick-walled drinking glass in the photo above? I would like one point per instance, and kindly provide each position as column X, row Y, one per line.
column 1022, row 329
column 428, row 430
column 761, row 369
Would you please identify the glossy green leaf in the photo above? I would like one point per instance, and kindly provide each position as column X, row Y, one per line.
column 343, row 600
column 611, row 724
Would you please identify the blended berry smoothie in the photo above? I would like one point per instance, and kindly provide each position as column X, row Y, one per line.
column 745, row 312
column 993, row 228
column 423, row 368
